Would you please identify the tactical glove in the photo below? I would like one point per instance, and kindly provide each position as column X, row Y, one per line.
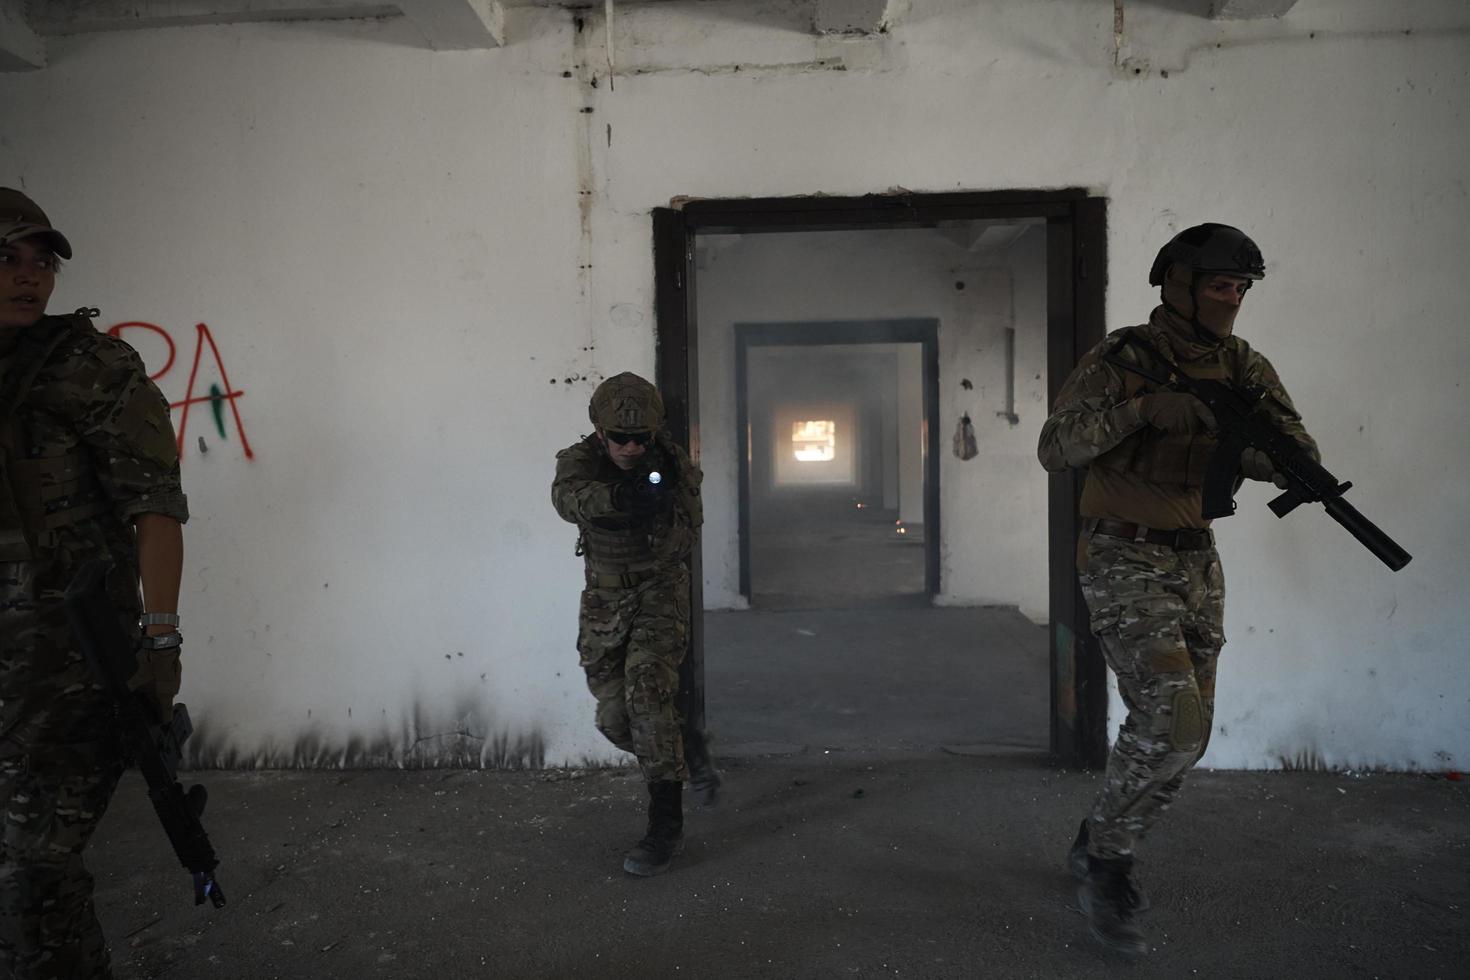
column 1256, row 465
column 638, row 497
column 157, row 679
column 1175, row 411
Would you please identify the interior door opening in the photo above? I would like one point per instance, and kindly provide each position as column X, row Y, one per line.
column 995, row 532
column 832, row 427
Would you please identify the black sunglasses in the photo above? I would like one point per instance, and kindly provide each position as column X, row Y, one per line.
column 636, row 438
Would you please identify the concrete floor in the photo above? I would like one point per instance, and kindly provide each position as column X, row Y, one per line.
column 889, row 813
column 817, row 865
column 905, row 679
column 834, row 556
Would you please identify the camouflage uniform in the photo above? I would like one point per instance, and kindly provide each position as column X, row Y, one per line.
column 1157, row 609
column 635, row 618
column 89, row 449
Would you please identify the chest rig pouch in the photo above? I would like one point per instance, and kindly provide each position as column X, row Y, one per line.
column 615, row 547
column 1179, row 459
column 38, row 493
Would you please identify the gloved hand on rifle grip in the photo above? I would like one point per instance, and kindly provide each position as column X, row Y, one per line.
column 1256, row 465
column 1175, row 411
column 638, row 497
column 158, row 678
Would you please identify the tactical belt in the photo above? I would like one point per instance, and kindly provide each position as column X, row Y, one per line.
column 1184, row 539
column 623, row 580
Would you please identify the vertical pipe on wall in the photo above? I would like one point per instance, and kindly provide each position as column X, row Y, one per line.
column 1009, row 413
column 612, row 70
column 1117, row 32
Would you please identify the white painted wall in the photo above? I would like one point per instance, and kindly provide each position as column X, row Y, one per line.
column 406, row 255
column 993, row 507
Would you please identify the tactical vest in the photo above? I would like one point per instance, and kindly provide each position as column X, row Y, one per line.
column 1178, row 459
column 616, row 550
column 39, row 493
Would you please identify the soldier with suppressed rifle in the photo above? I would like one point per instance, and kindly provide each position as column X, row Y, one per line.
column 1146, row 559
column 634, row 495
column 91, row 471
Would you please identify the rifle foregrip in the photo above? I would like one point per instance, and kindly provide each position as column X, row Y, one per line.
column 1385, row 547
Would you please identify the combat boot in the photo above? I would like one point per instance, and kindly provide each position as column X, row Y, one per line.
column 665, row 837
column 1077, row 864
column 704, row 779
column 1108, row 899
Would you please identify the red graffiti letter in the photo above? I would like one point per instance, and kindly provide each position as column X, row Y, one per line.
column 117, row 332
column 230, row 393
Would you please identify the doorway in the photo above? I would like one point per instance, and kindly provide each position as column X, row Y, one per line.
column 1072, row 230
column 838, row 463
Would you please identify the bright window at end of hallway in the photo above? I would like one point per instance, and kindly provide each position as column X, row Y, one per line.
column 814, row 441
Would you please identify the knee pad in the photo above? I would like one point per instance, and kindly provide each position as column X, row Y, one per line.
column 621, row 738
column 612, row 722
column 1187, row 726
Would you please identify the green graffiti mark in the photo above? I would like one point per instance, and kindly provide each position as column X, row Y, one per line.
column 217, row 403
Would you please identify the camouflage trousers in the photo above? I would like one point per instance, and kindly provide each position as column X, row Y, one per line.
column 52, row 802
column 59, row 765
column 1158, row 616
column 631, row 643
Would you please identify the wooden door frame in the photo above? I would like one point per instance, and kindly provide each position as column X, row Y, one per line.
column 1076, row 230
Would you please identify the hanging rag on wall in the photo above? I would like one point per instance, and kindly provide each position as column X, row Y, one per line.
column 964, row 439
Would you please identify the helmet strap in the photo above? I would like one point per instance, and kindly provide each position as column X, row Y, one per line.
column 1200, row 330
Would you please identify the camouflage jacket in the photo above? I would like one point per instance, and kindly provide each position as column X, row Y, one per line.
column 1095, row 423
column 582, row 493
column 93, row 414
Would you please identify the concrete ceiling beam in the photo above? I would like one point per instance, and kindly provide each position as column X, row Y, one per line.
column 58, row 17
column 853, row 16
column 1249, row 9
column 457, row 25
column 21, row 48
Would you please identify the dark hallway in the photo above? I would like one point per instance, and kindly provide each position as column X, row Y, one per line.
column 836, row 552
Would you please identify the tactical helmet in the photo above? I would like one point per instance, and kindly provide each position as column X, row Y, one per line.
column 1210, row 248
column 20, row 217
column 626, row 403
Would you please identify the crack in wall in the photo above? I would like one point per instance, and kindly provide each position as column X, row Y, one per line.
column 1138, row 66
column 746, row 68
column 587, row 132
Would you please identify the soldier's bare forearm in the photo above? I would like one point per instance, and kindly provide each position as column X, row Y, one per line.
column 160, row 561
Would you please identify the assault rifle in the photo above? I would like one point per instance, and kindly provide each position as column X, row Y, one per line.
column 655, row 476
column 155, row 748
column 1242, row 423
